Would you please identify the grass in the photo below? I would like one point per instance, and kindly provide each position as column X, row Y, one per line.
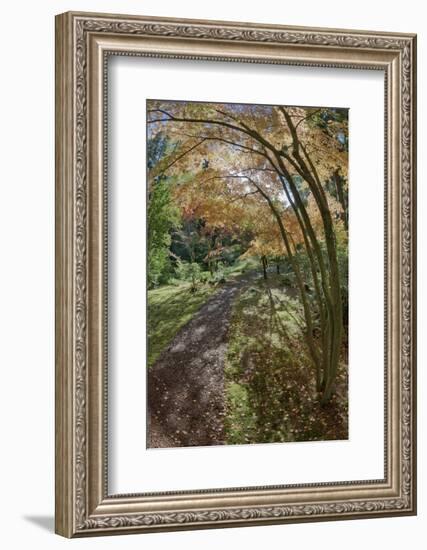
column 242, row 266
column 170, row 308
column 269, row 382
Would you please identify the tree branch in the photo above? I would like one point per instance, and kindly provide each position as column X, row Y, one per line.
column 183, row 155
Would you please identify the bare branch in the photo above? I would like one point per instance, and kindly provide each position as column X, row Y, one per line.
column 244, row 196
column 183, row 155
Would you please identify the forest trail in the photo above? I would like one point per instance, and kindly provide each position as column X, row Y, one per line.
column 186, row 383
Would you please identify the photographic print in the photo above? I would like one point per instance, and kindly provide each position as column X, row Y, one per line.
column 247, row 273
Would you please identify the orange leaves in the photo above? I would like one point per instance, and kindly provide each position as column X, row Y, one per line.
column 226, row 156
column 223, row 199
column 267, row 237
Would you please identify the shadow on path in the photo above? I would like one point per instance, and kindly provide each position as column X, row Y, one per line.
column 186, row 383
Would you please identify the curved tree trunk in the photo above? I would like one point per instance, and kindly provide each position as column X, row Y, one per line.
column 328, row 291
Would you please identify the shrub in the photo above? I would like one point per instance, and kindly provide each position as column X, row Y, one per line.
column 187, row 271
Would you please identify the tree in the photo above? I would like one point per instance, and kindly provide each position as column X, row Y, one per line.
column 279, row 160
column 267, row 243
column 163, row 215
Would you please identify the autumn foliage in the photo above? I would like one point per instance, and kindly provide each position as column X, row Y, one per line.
column 271, row 177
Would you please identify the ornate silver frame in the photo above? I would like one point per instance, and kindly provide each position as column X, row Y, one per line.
column 83, row 42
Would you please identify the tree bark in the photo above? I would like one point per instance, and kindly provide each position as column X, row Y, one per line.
column 330, row 304
column 264, row 266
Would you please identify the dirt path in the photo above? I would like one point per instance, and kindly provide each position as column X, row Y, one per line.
column 186, row 383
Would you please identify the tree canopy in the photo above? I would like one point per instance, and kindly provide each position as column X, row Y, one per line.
column 272, row 177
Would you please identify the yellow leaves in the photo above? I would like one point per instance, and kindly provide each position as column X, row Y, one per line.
column 209, row 196
column 268, row 240
column 219, row 159
column 336, row 212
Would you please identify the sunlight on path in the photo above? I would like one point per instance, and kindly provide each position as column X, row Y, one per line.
column 186, row 383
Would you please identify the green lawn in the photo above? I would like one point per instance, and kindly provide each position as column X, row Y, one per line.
column 269, row 380
column 169, row 308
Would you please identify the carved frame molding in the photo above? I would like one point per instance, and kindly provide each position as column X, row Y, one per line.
column 83, row 43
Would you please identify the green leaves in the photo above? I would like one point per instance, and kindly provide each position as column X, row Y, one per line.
column 163, row 216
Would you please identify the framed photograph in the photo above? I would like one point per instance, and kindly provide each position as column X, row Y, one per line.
column 235, row 274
